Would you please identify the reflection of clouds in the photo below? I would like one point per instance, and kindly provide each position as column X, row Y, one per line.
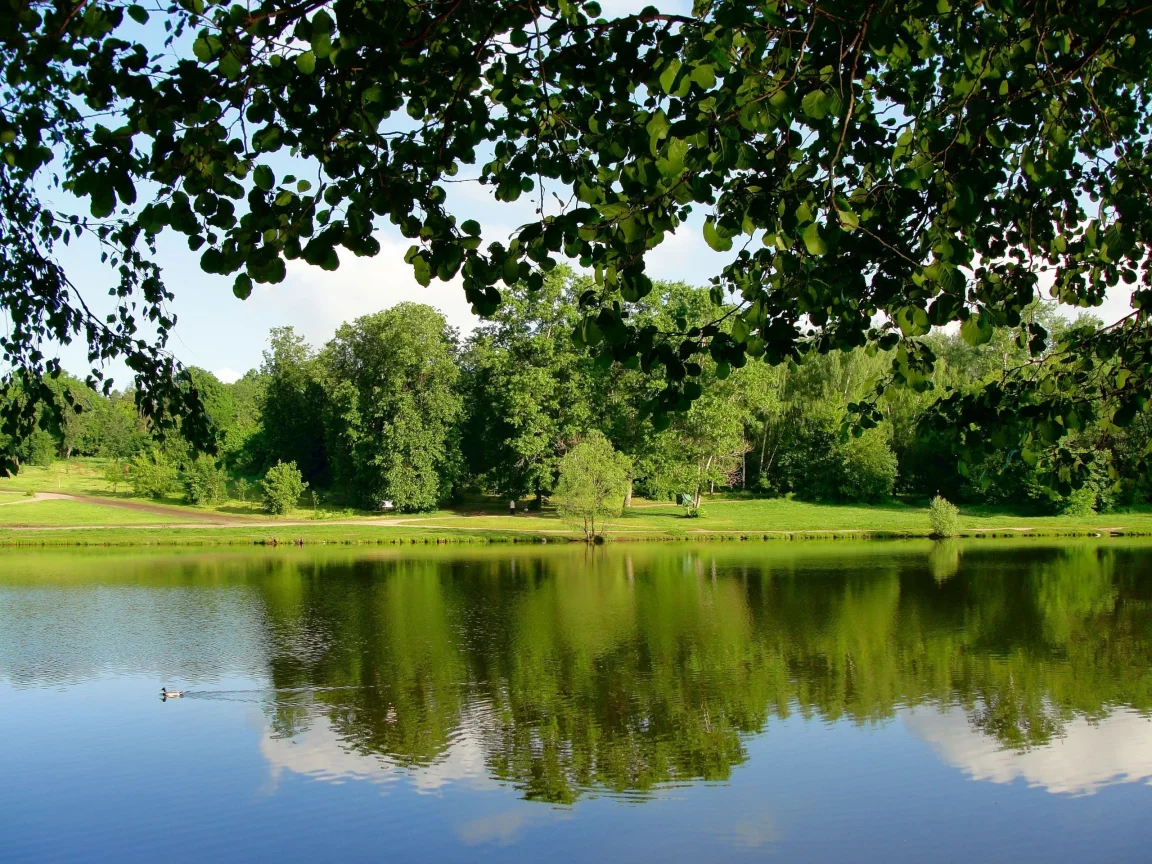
column 754, row 833
column 1089, row 756
column 504, row 828
column 320, row 753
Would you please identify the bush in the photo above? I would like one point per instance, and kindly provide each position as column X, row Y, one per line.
column 869, row 468
column 205, row 483
column 944, row 516
column 282, row 487
column 152, row 475
column 41, row 448
column 1081, row 503
column 115, row 473
column 241, row 486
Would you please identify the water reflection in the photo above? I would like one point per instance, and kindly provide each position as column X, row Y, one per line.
column 569, row 672
column 1087, row 757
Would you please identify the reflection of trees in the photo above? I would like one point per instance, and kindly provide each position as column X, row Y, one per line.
column 624, row 669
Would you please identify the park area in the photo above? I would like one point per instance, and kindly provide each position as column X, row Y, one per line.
column 71, row 502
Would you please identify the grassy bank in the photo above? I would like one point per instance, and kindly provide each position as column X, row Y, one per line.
column 71, row 504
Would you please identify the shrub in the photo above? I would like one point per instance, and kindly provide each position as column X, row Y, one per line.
column 241, row 487
column 152, row 475
column 282, row 487
column 869, row 468
column 41, row 448
column 205, row 483
column 1081, row 503
column 115, row 473
column 944, row 516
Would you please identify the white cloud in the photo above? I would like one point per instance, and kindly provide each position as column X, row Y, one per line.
column 1086, row 759
column 228, row 376
column 318, row 301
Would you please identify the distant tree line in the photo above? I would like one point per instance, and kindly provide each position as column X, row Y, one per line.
column 397, row 407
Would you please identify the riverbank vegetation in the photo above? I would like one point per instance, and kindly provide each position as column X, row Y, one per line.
column 399, row 413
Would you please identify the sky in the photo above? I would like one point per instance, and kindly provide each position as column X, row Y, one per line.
column 227, row 336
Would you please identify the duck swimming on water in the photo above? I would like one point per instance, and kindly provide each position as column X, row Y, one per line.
column 165, row 693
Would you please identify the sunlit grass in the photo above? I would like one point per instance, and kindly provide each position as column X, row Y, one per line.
column 57, row 513
column 481, row 518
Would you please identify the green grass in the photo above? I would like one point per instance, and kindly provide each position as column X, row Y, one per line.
column 58, row 513
column 197, row 534
column 485, row 520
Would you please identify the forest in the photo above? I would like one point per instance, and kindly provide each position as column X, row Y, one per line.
column 397, row 407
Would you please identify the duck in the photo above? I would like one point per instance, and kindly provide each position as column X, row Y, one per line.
column 165, row 693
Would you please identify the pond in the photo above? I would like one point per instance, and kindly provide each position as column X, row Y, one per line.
column 812, row 702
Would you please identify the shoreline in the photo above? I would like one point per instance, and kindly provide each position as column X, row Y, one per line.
column 381, row 535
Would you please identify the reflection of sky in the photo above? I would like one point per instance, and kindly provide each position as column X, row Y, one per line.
column 1088, row 757
column 320, row 753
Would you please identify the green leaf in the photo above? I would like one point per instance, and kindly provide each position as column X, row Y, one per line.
column 668, row 76
column 848, row 219
column 230, row 65
column 322, row 44
column 713, row 237
column 657, row 128
column 813, row 241
column 103, row 199
column 815, row 105
column 739, row 330
column 471, row 227
column 263, row 178
column 705, row 76
column 422, row 270
column 306, row 62
column 138, row 14
column 202, row 50
column 242, row 287
column 977, row 329
column 913, row 321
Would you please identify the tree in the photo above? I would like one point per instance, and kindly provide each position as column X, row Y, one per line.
column 115, row 473
column 41, row 449
column 593, row 480
column 122, row 431
column 282, row 487
column 393, row 408
column 205, row 483
column 906, row 164
column 291, row 405
column 528, row 388
column 152, row 474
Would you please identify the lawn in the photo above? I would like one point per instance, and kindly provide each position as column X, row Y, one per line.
column 479, row 519
column 58, row 513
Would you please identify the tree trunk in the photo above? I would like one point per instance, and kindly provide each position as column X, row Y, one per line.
column 700, row 482
column 628, row 494
column 763, row 446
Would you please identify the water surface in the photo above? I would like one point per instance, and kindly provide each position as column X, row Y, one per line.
column 809, row 702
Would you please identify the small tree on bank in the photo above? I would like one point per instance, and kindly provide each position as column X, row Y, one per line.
column 152, row 475
column 593, row 481
column 205, row 483
column 944, row 517
column 282, row 487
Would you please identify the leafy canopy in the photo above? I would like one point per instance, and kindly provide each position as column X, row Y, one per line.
column 873, row 167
